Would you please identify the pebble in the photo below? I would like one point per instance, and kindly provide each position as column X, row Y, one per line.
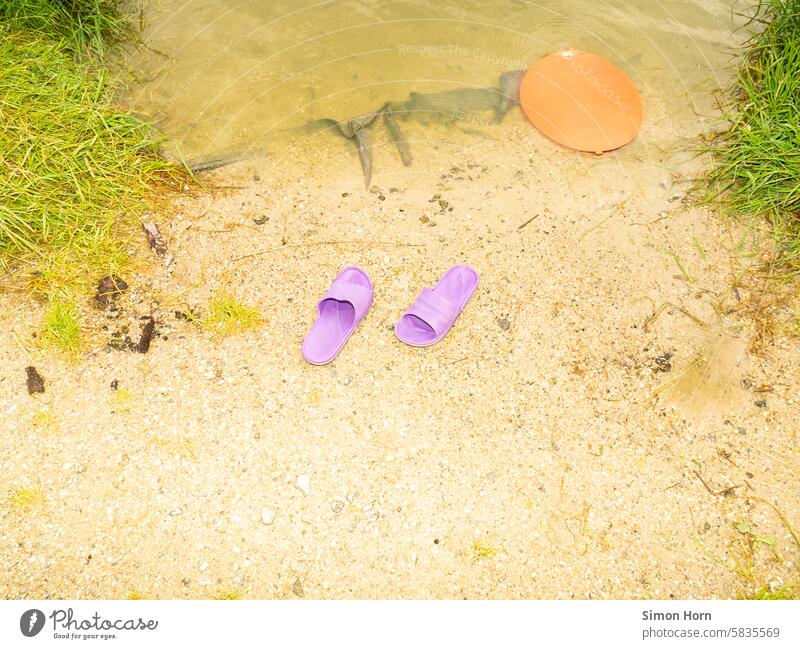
column 176, row 512
column 503, row 324
column 304, row 483
column 267, row 516
column 203, row 566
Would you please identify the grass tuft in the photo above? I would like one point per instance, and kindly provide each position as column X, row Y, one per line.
column 43, row 419
column 226, row 315
column 27, row 499
column 121, row 401
column 85, row 26
column 74, row 168
column 228, row 595
column 483, row 551
column 784, row 592
column 61, row 328
column 757, row 161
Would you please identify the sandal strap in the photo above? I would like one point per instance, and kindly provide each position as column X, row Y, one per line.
column 434, row 310
column 356, row 294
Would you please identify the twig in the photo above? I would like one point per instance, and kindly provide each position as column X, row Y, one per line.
column 534, row 217
column 665, row 305
column 722, row 492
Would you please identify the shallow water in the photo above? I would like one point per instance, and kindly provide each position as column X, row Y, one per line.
column 221, row 76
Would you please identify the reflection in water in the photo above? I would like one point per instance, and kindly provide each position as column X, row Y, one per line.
column 231, row 74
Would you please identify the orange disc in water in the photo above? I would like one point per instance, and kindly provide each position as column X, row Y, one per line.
column 582, row 101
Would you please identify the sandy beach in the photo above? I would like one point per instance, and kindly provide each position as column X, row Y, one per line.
column 605, row 420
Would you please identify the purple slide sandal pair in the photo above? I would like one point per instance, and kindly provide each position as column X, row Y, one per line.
column 349, row 298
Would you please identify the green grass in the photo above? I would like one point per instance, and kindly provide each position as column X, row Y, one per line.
column 86, row 27
column 75, row 169
column 121, row 400
column 226, row 315
column 61, row 327
column 483, row 551
column 757, row 168
column 228, row 595
column 765, row 592
column 27, row 499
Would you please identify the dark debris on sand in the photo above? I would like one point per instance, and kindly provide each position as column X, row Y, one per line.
column 108, row 289
column 35, row 380
column 147, row 335
column 121, row 341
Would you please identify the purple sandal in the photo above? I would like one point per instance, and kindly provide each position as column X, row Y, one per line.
column 433, row 313
column 341, row 309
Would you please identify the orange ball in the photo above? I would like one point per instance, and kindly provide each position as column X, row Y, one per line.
column 581, row 101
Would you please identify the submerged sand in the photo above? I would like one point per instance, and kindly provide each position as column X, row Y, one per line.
column 596, row 425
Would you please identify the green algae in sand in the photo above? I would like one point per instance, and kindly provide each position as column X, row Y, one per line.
column 27, row 499
column 484, row 551
column 61, row 326
column 226, row 315
column 120, row 401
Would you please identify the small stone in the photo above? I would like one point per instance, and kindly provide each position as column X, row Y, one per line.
column 663, row 363
column 35, row 380
column 267, row 516
column 741, row 430
column 261, row 220
column 760, row 403
column 176, row 512
column 504, row 324
column 203, row 566
column 297, row 588
column 303, row 483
